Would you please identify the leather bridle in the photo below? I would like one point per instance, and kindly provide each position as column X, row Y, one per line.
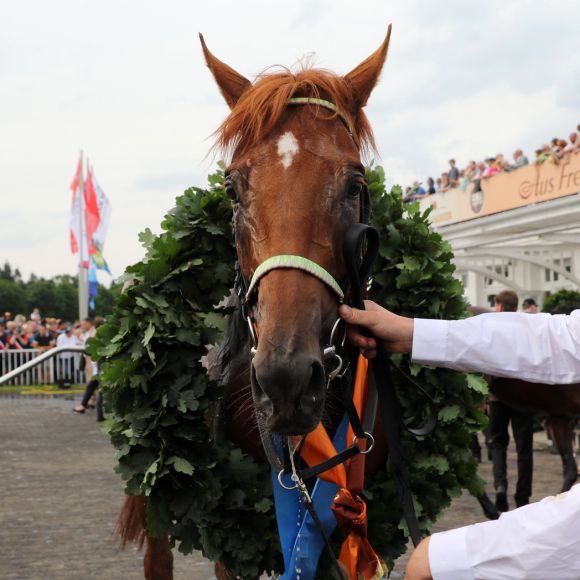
column 360, row 249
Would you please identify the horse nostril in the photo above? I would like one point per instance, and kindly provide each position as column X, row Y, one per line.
column 260, row 395
column 311, row 398
column 288, row 392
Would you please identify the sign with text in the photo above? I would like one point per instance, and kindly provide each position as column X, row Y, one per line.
column 505, row 191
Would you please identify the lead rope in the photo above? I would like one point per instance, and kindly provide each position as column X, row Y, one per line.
column 358, row 236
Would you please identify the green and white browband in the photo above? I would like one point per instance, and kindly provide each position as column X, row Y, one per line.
column 285, row 261
column 322, row 103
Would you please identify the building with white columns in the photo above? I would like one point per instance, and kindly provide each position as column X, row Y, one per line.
column 521, row 231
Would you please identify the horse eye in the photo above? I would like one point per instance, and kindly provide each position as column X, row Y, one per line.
column 356, row 186
column 231, row 190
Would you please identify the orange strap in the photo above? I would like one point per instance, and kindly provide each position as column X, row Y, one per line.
column 318, row 447
column 357, row 555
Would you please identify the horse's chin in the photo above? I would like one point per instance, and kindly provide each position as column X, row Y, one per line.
column 294, row 427
column 284, row 425
column 280, row 406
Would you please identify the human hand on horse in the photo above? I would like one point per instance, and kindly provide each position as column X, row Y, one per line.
column 393, row 332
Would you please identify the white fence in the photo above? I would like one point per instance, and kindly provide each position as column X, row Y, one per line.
column 64, row 368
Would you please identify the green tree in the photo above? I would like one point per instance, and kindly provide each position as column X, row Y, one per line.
column 56, row 296
column 12, row 297
column 561, row 298
column 43, row 294
column 6, row 273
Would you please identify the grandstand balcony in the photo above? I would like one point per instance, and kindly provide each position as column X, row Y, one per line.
column 519, row 230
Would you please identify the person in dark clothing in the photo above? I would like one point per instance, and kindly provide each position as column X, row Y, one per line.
column 92, row 386
column 90, row 389
column 42, row 341
column 453, row 174
column 500, row 416
column 4, row 337
column 529, row 305
column 430, row 186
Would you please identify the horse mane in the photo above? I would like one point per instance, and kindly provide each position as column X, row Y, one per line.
column 222, row 358
column 264, row 103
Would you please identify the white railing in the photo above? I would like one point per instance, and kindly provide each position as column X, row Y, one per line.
column 63, row 367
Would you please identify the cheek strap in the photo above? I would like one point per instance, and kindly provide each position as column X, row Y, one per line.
column 290, row 262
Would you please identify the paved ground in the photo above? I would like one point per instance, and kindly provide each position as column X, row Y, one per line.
column 60, row 497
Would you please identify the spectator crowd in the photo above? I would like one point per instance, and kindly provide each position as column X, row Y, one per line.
column 474, row 172
column 35, row 332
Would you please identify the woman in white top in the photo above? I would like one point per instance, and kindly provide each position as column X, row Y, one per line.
column 541, row 540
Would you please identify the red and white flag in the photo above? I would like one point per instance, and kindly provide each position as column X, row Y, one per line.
column 97, row 214
column 77, row 219
column 89, row 217
column 92, row 216
column 104, row 206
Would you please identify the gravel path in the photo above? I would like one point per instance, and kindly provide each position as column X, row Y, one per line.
column 60, row 497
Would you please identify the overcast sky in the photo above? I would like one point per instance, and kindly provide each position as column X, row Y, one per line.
column 126, row 82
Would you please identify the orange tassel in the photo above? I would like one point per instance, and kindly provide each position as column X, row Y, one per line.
column 357, row 555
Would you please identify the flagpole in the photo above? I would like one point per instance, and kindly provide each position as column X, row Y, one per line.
column 82, row 282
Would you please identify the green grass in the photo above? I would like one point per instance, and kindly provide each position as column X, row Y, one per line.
column 40, row 390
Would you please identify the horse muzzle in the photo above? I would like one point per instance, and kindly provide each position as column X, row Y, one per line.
column 289, row 391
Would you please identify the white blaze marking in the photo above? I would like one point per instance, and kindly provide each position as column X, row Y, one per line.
column 287, row 148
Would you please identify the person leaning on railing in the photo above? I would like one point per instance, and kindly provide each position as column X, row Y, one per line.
column 573, row 145
column 42, row 341
column 4, row 337
column 65, row 361
column 540, row 540
column 20, row 339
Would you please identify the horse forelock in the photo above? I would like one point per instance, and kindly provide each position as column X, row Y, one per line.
column 262, row 106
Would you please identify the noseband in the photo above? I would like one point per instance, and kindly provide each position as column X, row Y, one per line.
column 290, row 262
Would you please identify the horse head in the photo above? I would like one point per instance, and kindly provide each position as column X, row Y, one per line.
column 297, row 184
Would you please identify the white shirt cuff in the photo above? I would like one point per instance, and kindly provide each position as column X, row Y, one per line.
column 448, row 558
column 429, row 341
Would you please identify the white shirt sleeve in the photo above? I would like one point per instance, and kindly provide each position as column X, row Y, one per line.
column 537, row 541
column 540, row 348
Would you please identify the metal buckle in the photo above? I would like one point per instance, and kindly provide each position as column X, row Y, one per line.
column 293, row 477
column 253, row 336
column 370, row 438
column 336, row 371
column 331, row 351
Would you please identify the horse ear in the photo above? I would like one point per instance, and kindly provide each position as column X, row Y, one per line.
column 231, row 83
column 364, row 77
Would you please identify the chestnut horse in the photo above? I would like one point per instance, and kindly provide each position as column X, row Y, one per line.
column 297, row 185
